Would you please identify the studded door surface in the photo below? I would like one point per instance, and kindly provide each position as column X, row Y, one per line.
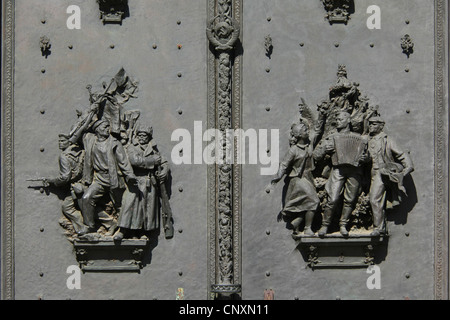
column 224, row 149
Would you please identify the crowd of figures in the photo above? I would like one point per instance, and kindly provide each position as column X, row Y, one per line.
column 112, row 175
column 341, row 162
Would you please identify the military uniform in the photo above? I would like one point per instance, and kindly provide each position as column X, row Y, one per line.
column 140, row 206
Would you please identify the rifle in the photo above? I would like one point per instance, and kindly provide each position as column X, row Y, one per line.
column 44, row 181
column 166, row 210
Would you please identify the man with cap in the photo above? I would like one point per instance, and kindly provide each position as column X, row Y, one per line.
column 390, row 165
column 140, row 207
column 70, row 173
column 106, row 168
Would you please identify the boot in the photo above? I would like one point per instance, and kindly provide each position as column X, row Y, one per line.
column 343, row 230
column 327, row 214
column 346, row 212
column 112, row 228
column 85, row 230
column 323, row 231
column 377, row 232
column 119, row 235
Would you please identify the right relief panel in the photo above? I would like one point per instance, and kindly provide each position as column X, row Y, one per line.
column 342, row 100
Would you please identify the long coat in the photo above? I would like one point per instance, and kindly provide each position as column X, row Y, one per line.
column 140, row 205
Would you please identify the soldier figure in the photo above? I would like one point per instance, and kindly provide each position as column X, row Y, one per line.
column 70, row 172
column 140, row 207
column 106, row 166
column 389, row 166
column 345, row 178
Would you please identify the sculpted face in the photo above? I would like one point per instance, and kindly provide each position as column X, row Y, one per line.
column 300, row 132
column 342, row 120
column 103, row 130
column 63, row 143
column 375, row 128
column 143, row 138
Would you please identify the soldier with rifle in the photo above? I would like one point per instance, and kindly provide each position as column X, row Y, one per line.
column 141, row 202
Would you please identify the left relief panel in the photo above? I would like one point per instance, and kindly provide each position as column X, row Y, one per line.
column 101, row 187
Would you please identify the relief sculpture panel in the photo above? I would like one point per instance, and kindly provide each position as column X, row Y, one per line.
column 355, row 109
column 343, row 167
column 98, row 108
column 112, row 177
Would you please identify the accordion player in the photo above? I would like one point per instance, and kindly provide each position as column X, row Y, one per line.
column 349, row 148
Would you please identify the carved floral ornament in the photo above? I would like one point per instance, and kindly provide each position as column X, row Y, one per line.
column 268, row 45
column 407, row 45
column 45, row 46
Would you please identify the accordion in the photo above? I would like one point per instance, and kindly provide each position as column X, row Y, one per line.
column 349, row 148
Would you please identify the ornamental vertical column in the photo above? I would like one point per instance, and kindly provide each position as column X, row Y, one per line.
column 223, row 31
